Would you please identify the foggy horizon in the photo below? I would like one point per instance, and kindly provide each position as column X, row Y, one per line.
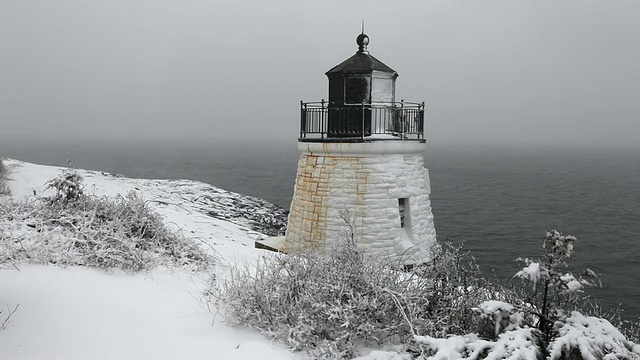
column 497, row 72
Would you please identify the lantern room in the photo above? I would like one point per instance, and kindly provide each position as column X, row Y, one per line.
column 361, row 79
column 362, row 104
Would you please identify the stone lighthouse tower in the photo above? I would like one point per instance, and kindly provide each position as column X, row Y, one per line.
column 361, row 168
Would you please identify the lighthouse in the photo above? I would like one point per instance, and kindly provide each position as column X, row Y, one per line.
column 361, row 171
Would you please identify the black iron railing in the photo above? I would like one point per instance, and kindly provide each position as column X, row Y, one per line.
column 370, row 121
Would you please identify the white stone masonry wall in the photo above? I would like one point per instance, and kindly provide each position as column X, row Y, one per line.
column 368, row 187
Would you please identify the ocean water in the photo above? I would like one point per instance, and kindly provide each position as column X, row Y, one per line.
column 498, row 200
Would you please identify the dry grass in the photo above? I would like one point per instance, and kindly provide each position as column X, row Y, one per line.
column 330, row 302
column 75, row 229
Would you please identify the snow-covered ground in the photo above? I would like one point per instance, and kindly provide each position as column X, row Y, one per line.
column 83, row 313
column 78, row 312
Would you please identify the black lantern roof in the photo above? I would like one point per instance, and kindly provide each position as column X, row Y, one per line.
column 361, row 62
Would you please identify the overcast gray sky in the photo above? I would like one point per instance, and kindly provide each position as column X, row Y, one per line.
column 202, row 70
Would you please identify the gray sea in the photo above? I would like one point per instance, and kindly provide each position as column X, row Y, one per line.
column 499, row 200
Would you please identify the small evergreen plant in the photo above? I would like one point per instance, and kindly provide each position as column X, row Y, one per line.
column 68, row 188
column 553, row 291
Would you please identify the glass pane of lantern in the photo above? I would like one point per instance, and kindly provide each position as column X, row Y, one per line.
column 336, row 91
column 357, row 90
column 382, row 90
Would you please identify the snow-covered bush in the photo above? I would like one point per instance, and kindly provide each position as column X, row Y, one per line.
column 71, row 228
column 629, row 328
column 326, row 302
column 500, row 315
column 331, row 301
column 553, row 292
column 4, row 176
column 579, row 338
column 516, row 344
column 457, row 287
column 68, row 187
column 587, row 337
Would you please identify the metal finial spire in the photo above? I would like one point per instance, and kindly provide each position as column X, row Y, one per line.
column 362, row 40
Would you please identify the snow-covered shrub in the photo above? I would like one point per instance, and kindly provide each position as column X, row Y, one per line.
column 385, row 355
column 331, row 301
column 503, row 316
column 4, row 176
column 587, row 337
column 457, row 288
column 553, row 292
column 468, row 346
column 68, row 187
column 326, row 302
column 630, row 329
column 516, row 344
column 122, row 232
column 579, row 337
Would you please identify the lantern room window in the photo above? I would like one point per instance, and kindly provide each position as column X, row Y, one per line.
column 357, row 89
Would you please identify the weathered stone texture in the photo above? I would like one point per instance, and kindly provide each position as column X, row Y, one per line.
column 367, row 187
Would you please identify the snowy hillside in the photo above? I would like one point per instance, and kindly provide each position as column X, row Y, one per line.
column 83, row 313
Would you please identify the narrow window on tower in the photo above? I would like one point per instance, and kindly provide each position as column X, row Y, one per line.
column 402, row 210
